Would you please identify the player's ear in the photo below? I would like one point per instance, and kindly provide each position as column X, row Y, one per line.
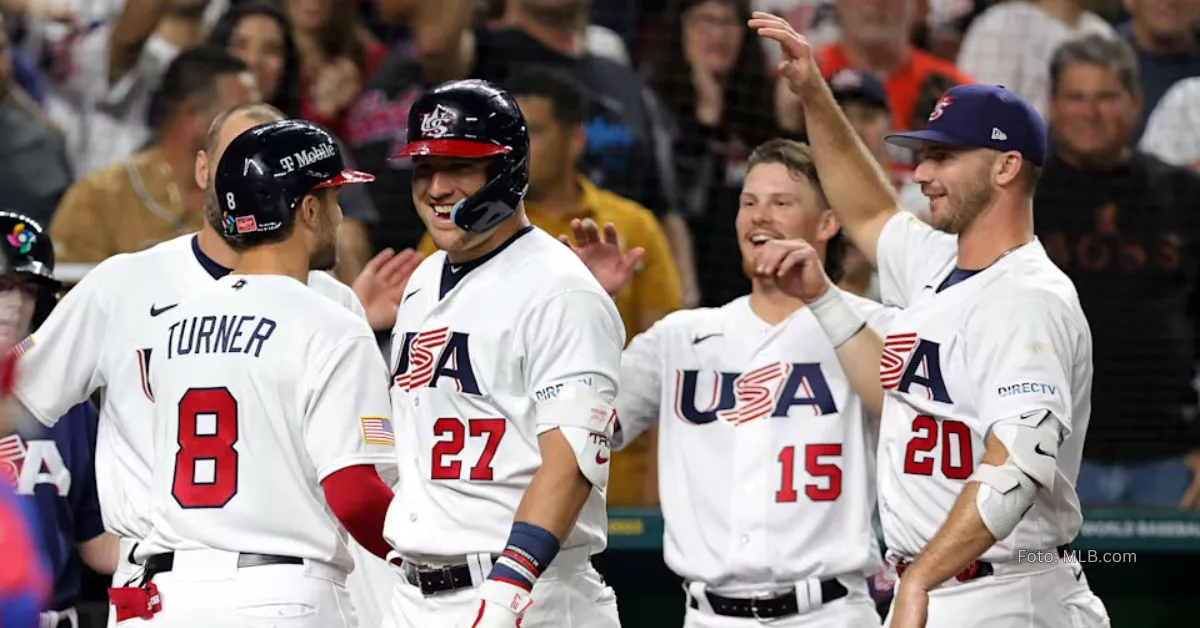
column 577, row 143
column 828, row 225
column 201, row 169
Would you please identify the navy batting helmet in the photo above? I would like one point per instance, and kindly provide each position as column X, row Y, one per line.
column 267, row 169
column 476, row 120
column 29, row 252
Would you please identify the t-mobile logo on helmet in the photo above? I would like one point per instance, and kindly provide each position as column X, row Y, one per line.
column 307, row 157
column 437, row 122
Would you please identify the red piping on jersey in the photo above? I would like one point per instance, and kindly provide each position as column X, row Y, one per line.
column 360, row 499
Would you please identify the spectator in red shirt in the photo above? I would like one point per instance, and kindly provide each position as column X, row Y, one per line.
column 875, row 38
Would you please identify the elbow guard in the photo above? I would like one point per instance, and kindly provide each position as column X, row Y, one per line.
column 587, row 420
column 1005, row 495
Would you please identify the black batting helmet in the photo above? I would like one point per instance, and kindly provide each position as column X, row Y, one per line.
column 267, row 169
column 29, row 252
column 476, row 120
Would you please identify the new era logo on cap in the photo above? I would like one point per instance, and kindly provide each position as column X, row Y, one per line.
column 983, row 116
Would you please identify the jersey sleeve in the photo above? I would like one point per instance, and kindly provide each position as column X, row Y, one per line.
column 1023, row 353
column 59, row 365
column 574, row 337
column 641, row 385
column 347, row 415
column 909, row 254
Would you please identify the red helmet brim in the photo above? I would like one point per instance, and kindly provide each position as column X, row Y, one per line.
column 345, row 177
column 452, row 148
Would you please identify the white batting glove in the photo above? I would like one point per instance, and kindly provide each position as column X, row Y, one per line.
column 501, row 605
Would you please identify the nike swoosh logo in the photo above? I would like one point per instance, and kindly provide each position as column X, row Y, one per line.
column 410, row 294
column 1031, row 414
column 600, row 459
column 156, row 311
column 455, row 269
column 1038, row 449
column 699, row 339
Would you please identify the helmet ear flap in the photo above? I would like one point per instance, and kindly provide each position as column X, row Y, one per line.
column 494, row 202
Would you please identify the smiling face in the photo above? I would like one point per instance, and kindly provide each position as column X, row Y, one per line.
column 777, row 204
column 712, row 36
column 258, row 41
column 439, row 183
column 958, row 182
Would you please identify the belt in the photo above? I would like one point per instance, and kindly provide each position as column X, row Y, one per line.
column 162, row 563
column 977, row 568
column 433, row 580
column 782, row 605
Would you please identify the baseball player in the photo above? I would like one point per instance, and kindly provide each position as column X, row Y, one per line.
column 98, row 336
column 505, row 358
column 263, row 391
column 986, row 372
column 766, row 465
column 51, row 468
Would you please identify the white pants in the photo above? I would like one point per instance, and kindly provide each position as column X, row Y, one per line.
column 206, row 588
column 1056, row 596
column 370, row 585
column 854, row 610
column 570, row 594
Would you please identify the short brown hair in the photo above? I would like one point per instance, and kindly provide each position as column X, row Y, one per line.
column 797, row 158
column 1113, row 54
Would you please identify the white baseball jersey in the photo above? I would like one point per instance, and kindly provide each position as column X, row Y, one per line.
column 475, row 350
column 1010, row 339
column 766, row 466
column 99, row 337
column 262, row 388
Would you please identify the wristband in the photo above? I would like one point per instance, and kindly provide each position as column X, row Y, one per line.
column 837, row 317
column 529, row 551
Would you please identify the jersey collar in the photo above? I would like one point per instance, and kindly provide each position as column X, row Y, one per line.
column 210, row 265
column 452, row 274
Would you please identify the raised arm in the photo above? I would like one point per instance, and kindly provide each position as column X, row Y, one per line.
column 857, row 188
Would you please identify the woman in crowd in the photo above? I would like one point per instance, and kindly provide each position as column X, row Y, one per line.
column 258, row 33
column 338, row 55
column 714, row 79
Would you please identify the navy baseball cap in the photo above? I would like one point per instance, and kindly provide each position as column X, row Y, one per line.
column 856, row 86
column 984, row 116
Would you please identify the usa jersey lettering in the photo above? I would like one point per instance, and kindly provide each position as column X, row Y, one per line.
column 771, row 390
column 26, row 464
column 907, row 360
column 428, row 356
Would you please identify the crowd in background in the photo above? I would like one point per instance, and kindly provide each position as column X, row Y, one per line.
column 643, row 113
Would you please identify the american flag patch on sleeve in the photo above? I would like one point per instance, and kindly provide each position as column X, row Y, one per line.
column 20, row 348
column 377, row 431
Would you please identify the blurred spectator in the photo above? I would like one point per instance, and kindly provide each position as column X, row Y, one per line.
column 153, row 196
column 34, row 172
column 376, row 123
column 629, row 141
column 258, row 33
column 1123, row 225
column 1037, row 28
column 1173, row 131
column 875, row 38
column 1163, row 33
column 555, row 111
column 941, row 24
column 338, row 55
column 713, row 79
column 105, row 101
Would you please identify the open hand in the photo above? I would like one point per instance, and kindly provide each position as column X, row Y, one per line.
column 380, row 285
column 794, row 267
column 796, row 65
column 612, row 267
